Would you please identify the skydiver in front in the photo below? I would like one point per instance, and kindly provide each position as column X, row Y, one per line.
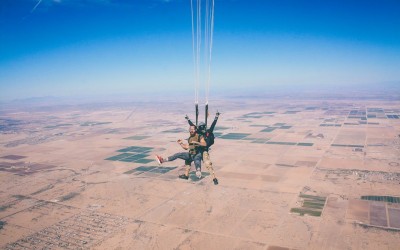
column 194, row 146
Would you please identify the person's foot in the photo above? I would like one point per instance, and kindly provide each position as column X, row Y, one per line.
column 198, row 173
column 183, row 176
column 215, row 180
column 159, row 159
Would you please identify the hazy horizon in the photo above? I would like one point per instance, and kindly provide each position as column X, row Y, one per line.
column 378, row 92
column 100, row 48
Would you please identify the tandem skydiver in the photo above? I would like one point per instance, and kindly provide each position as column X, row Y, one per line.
column 209, row 139
column 195, row 145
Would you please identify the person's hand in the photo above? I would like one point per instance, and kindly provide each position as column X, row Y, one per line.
column 186, row 117
column 180, row 141
column 217, row 114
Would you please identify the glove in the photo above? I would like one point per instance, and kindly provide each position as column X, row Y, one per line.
column 186, row 117
column 217, row 114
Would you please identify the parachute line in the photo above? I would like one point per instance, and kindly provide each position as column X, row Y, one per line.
column 37, row 4
column 202, row 44
column 194, row 55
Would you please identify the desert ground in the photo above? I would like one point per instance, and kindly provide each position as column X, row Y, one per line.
column 293, row 174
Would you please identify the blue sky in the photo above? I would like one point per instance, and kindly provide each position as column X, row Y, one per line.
column 102, row 47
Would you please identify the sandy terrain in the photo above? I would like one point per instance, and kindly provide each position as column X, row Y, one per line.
column 304, row 174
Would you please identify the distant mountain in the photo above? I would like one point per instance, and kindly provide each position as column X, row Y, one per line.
column 36, row 100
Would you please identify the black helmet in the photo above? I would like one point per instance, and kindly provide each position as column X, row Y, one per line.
column 202, row 127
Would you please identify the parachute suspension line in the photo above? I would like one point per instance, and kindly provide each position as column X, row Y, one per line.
column 208, row 50
column 194, row 56
column 197, row 112
column 205, row 61
column 196, row 47
column 206, row 44
column 195, row 60
column 200, row 42
column 210, row 41
column 206, row 115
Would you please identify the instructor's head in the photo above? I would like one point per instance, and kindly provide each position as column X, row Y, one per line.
column 202, row 128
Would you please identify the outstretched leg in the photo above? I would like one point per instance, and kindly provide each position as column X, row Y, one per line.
column 183, row 155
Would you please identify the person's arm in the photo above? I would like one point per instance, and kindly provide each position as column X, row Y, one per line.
column 189, row 121
column 214, row 122
column 183, row 145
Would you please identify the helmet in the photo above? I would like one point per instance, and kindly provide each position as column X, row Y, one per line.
column 202, row 127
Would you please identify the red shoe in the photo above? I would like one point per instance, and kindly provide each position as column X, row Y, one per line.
column 159, row 159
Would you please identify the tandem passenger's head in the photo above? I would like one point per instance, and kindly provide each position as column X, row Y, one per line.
column 192, row 130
